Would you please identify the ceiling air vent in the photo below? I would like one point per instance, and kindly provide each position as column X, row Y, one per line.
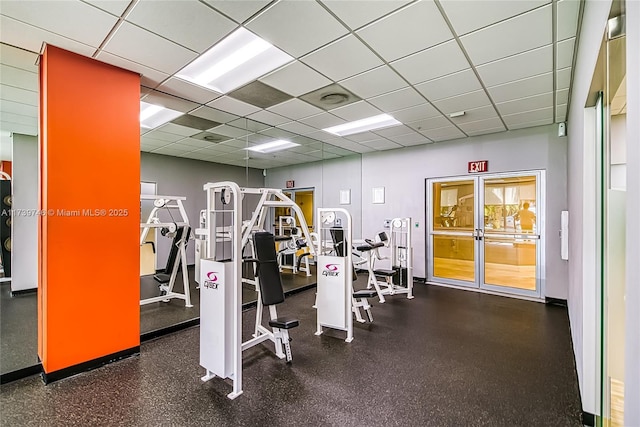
column 330, row 97
column 259, row 94
column 195, row 122
column 213, row 138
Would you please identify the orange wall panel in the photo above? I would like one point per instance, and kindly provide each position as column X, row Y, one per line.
column 5, row 166
column 90, row 188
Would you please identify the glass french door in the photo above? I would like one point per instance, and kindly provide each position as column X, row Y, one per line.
column 485, row 232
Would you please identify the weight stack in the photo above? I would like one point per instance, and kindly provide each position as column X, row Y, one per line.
column 5, row 226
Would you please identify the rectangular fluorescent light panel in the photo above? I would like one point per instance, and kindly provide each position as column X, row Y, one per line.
column 239, row 58
column 273, row 146
column 363, row 125
column 152, row 116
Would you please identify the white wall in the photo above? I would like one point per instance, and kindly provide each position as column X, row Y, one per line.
column 24, row 254
column 632, row 342
column 583, row 318
column 176, row 176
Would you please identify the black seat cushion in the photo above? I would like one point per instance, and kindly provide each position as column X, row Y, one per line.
column 365, row 293
column 284, row 323
column 282, row 238
column 387, row 273
column 162, row 278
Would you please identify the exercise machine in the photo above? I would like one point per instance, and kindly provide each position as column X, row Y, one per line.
column 336, row 301
column 292, row 246
column 398, row 279
column 6, row 207
column 221, row 343
column 179, row 231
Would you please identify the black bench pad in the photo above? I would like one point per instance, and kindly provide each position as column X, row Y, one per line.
column 365, row 293
column 162, row 278
column 387, row 273
column 284, row 323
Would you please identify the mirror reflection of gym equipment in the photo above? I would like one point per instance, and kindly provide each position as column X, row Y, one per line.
column 486, row 232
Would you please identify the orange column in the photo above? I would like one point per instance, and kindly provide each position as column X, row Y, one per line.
column 89, row 293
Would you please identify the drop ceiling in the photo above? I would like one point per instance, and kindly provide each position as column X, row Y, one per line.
column 506, row 64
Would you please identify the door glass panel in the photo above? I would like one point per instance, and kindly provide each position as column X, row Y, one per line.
column 453, row 205
column 454, row 257
column 510, row 205
column 304, row 199
column 511, row 262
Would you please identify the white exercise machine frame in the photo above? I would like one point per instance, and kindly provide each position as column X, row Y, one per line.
column 224, row 359
column 169, row 202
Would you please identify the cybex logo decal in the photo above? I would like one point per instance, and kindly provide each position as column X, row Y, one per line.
column 212, row 280
column 331, row 270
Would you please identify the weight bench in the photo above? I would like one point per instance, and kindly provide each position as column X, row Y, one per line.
column 271, row 294
column 388, row 275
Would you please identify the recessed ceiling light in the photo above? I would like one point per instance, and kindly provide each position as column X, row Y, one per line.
column 273, row 146
column 363, row 125
column 238, row 59
column 457, row 114
column 152, row 116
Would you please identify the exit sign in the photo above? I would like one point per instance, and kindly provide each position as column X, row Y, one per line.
column 479, row 166
column 290, row 184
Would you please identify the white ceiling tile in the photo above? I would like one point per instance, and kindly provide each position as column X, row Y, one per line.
column 19, row 78
column 544, row 114
column 19, row 108
column 522, row 88
column 141, row 46
column 343, row 58
column 295, row 109
column 232, row 131
column 481, row 125
column 406, row 31
column 29, row 37
column 362, row 137
column 90, row 25
column 517, row 67
column 374, row 82
column 213, row 114
column 296, row 79
column 188, row 23
column 444, row 133
column 184, row 89
column 18, row 58
column 506, row 38
column 383, row 144
column 19, row 128
column 463, row 102
column 297, row 27
column 361, row 148
column 358, row 13
column 451, row 85
column 238, row 10
column 429, row 64
column 564, row 53
column 233, row 106
column 562, row 96
column 561, row 113
column 149, row 76
column 531, row 124
column 268, row 117
column 394, row 131
column 469, row 15
column 356, row 111
column 18, row 119
column 432, row 123
column 169, row 151
column 323, row 120
column 170, row 101
column 567, row 18
column 197, row 143
column 220, row 148
column 521, row 105
column 178, row 129
column 397, row 100
column 563, row 78
column 299, row 128
column 250, row 125
column 114, row 7
column 162, row 136
column 476, row 114
column 410, row 139
column 500, row 128
column 419, row 112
